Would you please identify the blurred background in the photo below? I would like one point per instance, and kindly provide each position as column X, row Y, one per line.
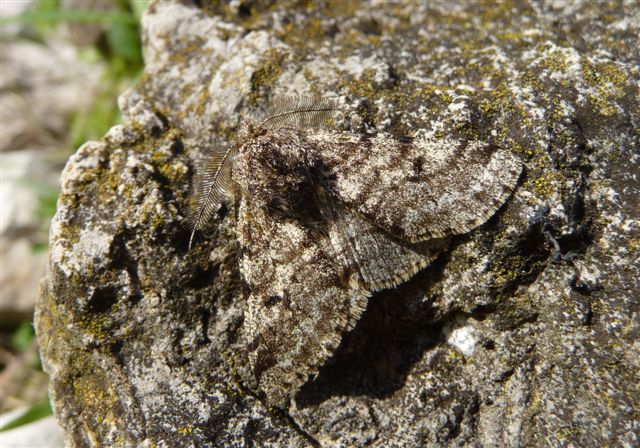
column 63, row 64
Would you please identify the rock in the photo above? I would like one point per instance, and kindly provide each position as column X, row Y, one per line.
column 23, row 177
column 22, row 268
column 42, row 86
column 11, row 9
column 19, row 198
column 522, row 334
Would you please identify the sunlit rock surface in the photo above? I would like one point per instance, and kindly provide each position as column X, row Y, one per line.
column 524, row 333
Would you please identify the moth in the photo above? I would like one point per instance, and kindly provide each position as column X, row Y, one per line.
column 325, row 218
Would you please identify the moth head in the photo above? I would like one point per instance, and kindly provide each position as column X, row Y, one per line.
column 245, row 130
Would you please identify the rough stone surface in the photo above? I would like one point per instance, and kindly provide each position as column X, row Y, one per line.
column 524, row 333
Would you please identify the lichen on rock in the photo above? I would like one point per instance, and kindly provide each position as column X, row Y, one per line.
column 521, row 334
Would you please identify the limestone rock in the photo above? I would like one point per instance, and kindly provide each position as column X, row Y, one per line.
column 524, row 333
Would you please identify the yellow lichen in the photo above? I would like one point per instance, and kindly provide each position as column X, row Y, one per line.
column 267, row 73
column 607, row 81
column 185, row 430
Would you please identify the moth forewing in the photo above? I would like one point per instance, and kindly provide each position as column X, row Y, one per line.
column 422, row 189
column 327, row 217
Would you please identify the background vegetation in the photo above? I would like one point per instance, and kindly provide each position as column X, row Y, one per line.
column 113, row 27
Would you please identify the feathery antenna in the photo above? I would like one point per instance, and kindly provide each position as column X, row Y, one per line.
column 301, row 113
column 210, row 188
column 214, row 176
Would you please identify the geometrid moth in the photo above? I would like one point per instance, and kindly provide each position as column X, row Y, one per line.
column 325, row 218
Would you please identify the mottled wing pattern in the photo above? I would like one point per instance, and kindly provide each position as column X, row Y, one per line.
column 324, row 218
column 299, row 303
column 421, row 189
column 372, row 258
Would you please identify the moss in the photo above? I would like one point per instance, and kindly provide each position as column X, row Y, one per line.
column 603, row 74
column 237, row 363
column 608, row 81
column 192, row 96
column 173, row 172
column 183, row 50
column 164, row 159
column 366, row 87
column 351, row 39
column 531, row 80
column 266, row 75
column 47, row 322
column 304, row 35
column 156, row 220
column 454, row 357
column 69, row 233
column 512, row 37
column 544, row 185
column 96, row 396
column 507, row 272
column 554, row 60
column 203, row 99
column 313, row 81
column 363, row 87
column 109, row 178
column 98, row 325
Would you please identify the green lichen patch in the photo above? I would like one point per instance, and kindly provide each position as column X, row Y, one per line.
column 266, row 74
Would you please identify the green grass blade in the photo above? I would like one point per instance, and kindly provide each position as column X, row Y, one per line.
column 35, row 412
column 23, row 337
column 138, row 7
column 70, row 15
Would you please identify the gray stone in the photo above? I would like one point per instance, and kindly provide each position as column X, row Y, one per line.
column 524, row 333
column 20, row 226
column 42, row 86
